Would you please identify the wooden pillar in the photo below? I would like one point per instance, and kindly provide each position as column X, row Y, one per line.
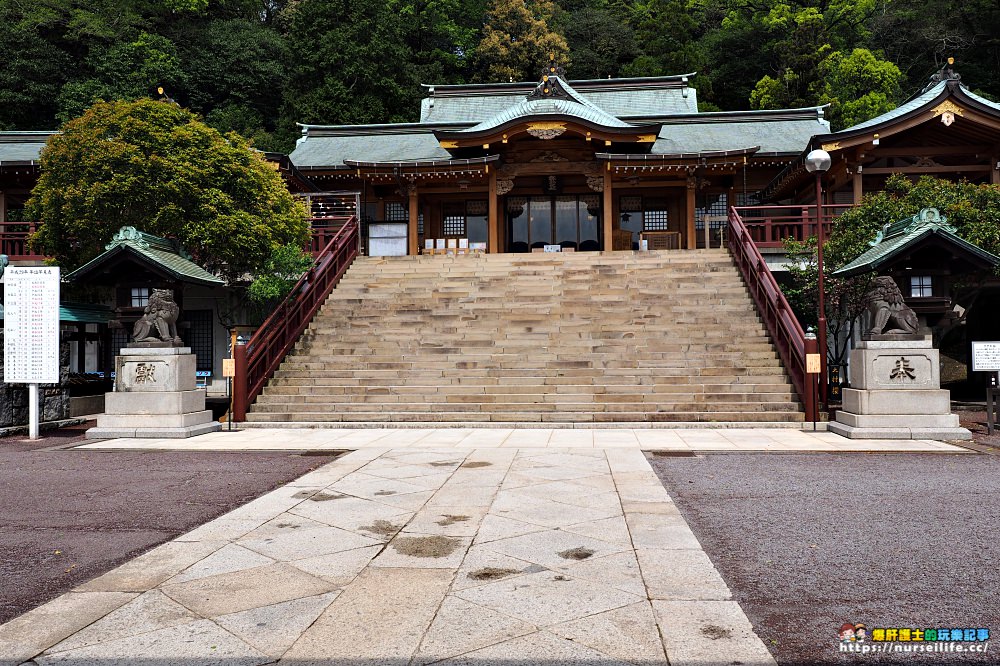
column 692, row 240
column 994, row 173
column 608, row 211
column 412, row 226
column 493, row 220
column 858, row 187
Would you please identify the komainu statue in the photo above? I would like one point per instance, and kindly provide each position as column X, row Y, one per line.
column 885, row 303
column 159, row 319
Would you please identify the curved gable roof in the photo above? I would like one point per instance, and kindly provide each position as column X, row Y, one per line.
column 569, row 104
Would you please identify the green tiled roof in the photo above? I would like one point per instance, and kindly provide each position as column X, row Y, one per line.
column 783, row 131
column 622, row 98
column 573, row 105
column 163, row 253
column 330, row 147
column 899, row 236
column 22, row 147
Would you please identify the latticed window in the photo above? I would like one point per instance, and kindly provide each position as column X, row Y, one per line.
column 921, row 286
column 139, row 297
column 198, row 336
column 453, row 222
column 396, row 212
column 655, row 216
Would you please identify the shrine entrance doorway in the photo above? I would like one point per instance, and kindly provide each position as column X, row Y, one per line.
column 570, row 221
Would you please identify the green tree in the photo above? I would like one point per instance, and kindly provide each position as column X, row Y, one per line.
column 157, row 167
column 668, row 33
column 127, row 71
column 518, row 40
column 858, row 87
column 601, row 41
column 284, row 268
column 349, row 65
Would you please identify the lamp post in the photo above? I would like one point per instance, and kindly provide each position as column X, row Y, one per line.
column 818, row 162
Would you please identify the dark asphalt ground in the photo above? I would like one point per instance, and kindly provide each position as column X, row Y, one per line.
column 67, row 516
column 808, row 542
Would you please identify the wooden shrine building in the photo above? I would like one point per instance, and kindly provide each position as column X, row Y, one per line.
column 945, row 130
column 584, row 165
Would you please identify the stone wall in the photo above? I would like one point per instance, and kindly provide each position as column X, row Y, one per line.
column 53, row 398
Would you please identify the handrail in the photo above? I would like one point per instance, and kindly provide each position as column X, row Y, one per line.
column 256, row 361
column 769, row 226
column 15, row 240
column 784, row 328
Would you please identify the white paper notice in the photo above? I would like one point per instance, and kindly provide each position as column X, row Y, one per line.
column 31, row 325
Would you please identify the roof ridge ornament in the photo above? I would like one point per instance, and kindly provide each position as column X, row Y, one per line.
column 946, row 73
column 550, row 86
column 127, row 235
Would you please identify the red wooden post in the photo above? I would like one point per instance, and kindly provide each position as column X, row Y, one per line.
column 240, row 383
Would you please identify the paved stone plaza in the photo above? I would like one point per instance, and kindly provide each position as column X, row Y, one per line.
column 426, row 546
column 648, row 439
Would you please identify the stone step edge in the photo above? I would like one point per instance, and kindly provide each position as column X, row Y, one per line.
column 536, row 425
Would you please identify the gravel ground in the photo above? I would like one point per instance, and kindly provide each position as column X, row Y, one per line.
column 70, row 515
column 808, row 542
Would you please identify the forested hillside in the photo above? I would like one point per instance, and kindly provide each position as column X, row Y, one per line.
column 258, row 66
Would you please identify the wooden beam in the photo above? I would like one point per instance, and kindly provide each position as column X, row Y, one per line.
column 692, row 241
column 924, row 151
column 493, row 219
column 607, row 212
column 970, row 168
column 412, row 227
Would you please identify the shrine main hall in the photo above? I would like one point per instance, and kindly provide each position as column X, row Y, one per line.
column 599, row 164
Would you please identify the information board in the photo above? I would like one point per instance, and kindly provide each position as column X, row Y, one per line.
column 986, row 356
column 31, row 325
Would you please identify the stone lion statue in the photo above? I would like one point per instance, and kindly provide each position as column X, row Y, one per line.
column 885, row 304
column 159, row 319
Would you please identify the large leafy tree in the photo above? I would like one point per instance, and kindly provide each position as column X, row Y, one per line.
column 349, row 64
column 518, row 39
column 157, row 167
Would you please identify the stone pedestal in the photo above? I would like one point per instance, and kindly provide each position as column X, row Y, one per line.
column 896, row 393
column 154, row 397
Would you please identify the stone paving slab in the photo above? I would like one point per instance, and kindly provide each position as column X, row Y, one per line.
column 498, row 556
column 463, row 439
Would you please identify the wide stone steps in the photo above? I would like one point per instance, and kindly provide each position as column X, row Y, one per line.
column 532, row 416
column 575, row 337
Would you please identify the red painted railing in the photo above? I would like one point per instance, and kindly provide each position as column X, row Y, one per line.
column 784, row 328
column 14, row 240
column 769, row 226
column 257, row 360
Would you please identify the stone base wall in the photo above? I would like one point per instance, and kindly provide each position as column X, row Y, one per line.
column 53, row 398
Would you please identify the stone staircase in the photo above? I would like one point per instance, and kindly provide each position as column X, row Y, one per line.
column 535, row 338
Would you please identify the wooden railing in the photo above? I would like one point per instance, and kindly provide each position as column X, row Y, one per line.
column 257, row 360
column 769, row 226
column 785, row 330
column 14, row 240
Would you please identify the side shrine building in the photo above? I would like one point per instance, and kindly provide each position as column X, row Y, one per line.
column 585, row 165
